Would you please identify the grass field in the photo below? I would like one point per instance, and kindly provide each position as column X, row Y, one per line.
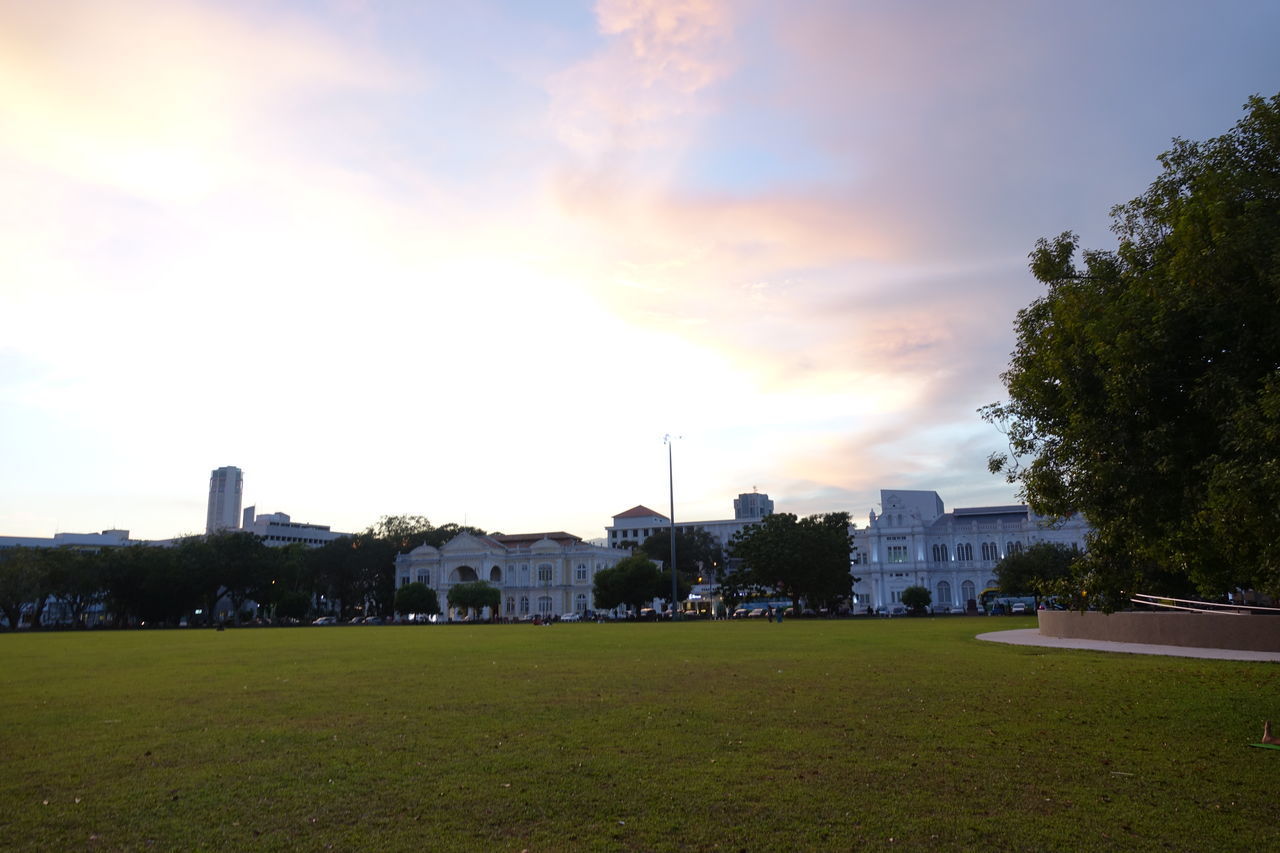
column 898, row 733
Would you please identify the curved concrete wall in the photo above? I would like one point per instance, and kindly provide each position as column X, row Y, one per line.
column 1200, row 630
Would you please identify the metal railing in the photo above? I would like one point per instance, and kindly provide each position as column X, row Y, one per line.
column 1191, row 606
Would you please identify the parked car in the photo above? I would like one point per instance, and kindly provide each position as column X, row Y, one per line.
column 372, row 620
column 326, row 620
column 1019, row 607
column 571, row 617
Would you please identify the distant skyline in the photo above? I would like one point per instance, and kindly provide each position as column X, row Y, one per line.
column 473, row 261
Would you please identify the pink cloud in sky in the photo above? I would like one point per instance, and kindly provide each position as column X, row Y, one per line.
column 633, row 94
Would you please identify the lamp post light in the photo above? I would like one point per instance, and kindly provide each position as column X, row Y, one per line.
column 669, row 439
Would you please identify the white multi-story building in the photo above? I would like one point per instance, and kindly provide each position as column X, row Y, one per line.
column 916, row 542
column 637, row 524
column 542, row 574
column 107, row 538
column 276, row 528
column 226, row 487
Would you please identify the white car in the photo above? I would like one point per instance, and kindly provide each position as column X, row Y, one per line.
column 1019, row 607
column 571, row 617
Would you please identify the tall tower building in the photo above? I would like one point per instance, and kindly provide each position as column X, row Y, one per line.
column 226, row 486
column 752, row 505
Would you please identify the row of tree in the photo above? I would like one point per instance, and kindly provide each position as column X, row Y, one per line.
column 161, row 584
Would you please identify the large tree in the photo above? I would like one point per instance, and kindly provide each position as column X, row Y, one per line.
column 698, row 553
column 801, row 558
column 916, row 599
column 417, row 598
column 76, row 580
column 1144, row 389
column 635, row 582
column 1044, row 568
column 476, row 595
column 20, row 581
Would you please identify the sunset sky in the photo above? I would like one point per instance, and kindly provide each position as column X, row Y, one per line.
column 473, row 260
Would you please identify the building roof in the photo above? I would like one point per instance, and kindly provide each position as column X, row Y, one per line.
column 518, row 540
column 640, row 511
column 991, row 510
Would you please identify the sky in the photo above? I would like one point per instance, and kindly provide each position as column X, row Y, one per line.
column 475, row 260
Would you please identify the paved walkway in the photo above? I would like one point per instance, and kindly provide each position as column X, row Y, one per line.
column 1032, row 637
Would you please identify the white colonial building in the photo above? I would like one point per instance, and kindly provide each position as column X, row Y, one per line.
column 916, row 542
column 542, row 574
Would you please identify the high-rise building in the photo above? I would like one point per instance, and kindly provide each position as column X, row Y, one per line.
column 752, row 505
column 226, row 486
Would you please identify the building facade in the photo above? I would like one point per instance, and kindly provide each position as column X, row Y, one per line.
column 226, row 488
column 93, row 541
column 752, row 505
column 914, row 541
column 637, row 524
column 538, row 574
column 276, row 528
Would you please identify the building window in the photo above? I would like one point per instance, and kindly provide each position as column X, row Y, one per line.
column 944, row 592
column 580, row 603
column 989, row 551
column 424, row 578
column 404, row 580
column 897, row 553
column 544, row 604
column 967, row 592
column 511, row 605
column 940, row 553
column 524, row 605
column 1012, row 548
column 964, row 551
column 544, row 573
column 580, row 574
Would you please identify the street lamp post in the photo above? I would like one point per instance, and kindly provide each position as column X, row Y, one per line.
column 671, row 485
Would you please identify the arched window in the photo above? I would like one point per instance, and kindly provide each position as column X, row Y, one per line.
column 990, row 552
column 495, row 575
column 967, row 592
column 544, row 573
column 544, row 604
column 511, row 605
column 944, row 592
column 524, row 604
column 964, row 551
column 940, row 553
column 580, row 603
column 1012, row 548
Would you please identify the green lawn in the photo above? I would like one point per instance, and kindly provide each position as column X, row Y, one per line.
column 896, row 733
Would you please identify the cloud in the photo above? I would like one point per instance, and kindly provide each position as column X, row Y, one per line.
column 659, row 56
column 160, row 101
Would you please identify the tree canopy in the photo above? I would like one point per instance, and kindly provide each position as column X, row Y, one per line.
column 698, row 553
column 635, row 582
column 476, row 596
column 417, row 598
column 1040, row 570
column 916, row 599
column 1144, row 388
column 801, row 558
